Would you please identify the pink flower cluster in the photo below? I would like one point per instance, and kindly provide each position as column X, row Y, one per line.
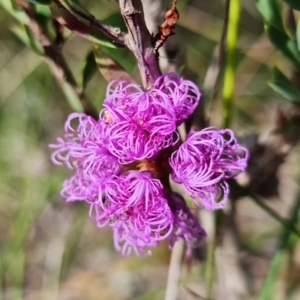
column 136, row 126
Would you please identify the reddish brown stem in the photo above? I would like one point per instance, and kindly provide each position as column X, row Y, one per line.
column 139, row 41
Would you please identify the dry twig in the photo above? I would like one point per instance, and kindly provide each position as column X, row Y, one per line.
column 139, row 41
column 54, row 57
column 168, row 26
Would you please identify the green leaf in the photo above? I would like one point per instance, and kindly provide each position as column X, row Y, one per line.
column 71, row 97
column 80, row 21
column 43, row 10
column 109, row 68
column 286, row 91
column 24, row 34
column 271, row 12
column 15, row 11
column 89, row 69
column 77, row 6
column 115, row 19
column 152, row 294
column 278, row 261
column 282, row 85
column 298, row 35
column 124, row 57
column 295, row 4
column 46, row 23
column 284, row 43
column 41, row 2
column 277, row 75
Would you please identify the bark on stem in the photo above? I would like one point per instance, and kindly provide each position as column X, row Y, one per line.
column 139, row 41
column 87, row 21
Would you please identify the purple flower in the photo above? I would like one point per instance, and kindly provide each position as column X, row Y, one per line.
column 134, row 205
column 205, row 161
column 140, row 123
column 122, row 163
column 184, row 94
column 85, row 149
column 79, row 187
column 186, row 225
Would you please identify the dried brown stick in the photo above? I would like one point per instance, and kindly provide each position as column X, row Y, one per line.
column 139, row 41
column 170, row 56
column 168, row 26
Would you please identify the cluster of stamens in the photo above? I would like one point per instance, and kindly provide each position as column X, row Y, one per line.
column 122, row 164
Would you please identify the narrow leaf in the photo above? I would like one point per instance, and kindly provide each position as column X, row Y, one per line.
column 282, row 85
column 71, row 97
column 277, row 75
column 277, row 263
column 284, row 43
column 79, row 21
column 115, row 19
column 271, row 12
column 76, row 6
column 14, row 11
column 24, row 34
column 42, row 2
column 43, row 10
column 287, row 92
column 109, row 68
column 298, row 35
column 89, row 69
column 295, row 4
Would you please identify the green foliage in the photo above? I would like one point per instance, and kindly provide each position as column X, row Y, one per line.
column 155, row 294
column 282, row 85
column 284, row 43
column 109, row 68
column 43, row 10
column 15, row 11
column 229, row 74
column 79, row 20
column 30, row 120
column 72, row 97
column 298, row 35
column 276, row 32
column 271, row 12
column 89, row 69
column 23, row 33
column 115, row 19
column 285, row 240
column 41, row 2
column 295, row 4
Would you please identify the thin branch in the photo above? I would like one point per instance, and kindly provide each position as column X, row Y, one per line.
column 54, row 57
column 174, row 271
column 246, row 192
column 223, row 35
column 77, row 20
column 213, row 77
column 139, row 41
column 167, row 28
column 169, row 54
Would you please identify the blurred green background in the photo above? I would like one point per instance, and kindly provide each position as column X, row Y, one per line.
column 50, row 249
